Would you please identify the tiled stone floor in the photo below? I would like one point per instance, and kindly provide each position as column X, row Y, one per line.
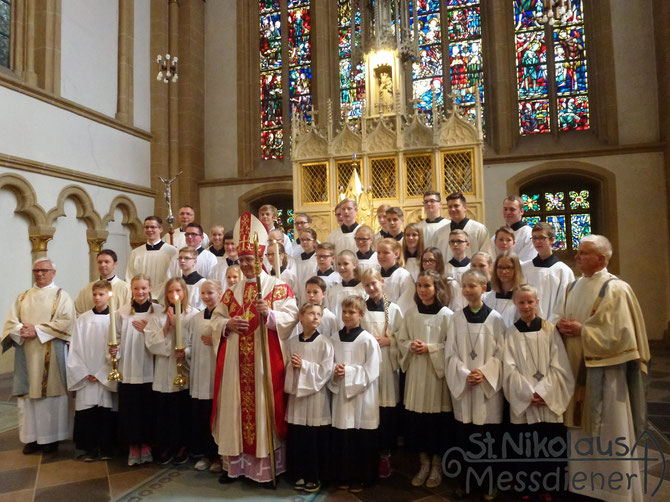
column 58, row 477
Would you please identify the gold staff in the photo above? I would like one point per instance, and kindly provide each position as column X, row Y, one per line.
column 267, row 379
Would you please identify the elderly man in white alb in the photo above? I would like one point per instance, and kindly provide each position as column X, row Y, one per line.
column 186, row 215
column 606, row 340
column 39, row 326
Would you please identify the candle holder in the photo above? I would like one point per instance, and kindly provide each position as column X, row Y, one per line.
column 180, row 379
column 114, row 375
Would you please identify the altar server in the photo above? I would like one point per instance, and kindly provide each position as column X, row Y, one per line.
column 398, row 282
column 107, row 262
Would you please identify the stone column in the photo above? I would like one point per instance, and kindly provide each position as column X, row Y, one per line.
column 96, row 239
column 39, row 236
column 124, row 98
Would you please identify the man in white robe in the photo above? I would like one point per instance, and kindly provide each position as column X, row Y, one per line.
column 152, row 258
column 513, row 215
column 606, row 340
column 432, row 207
column 38, row 327
column 107, row 263
column 343, row 237
column 479, row 237
column 239, row 423
column 206, row 259
column 186, row 215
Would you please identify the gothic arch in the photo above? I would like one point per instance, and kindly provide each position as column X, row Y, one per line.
column 268, row 191
column 26, row 199
column 605, row 179
column 130, row 218
column 85, row 207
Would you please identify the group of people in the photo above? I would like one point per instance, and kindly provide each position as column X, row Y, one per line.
column 332, row 353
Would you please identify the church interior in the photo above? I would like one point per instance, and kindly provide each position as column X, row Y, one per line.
column 296, row 103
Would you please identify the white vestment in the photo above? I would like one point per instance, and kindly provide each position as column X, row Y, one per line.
column 305, row 269
column 478, row 235
column 430, row 231
column 89, row 355
column 136, row 363
column 329, row 326
column 308, row 398
column 504, row 306
column 535, row 362
column 342, row 240
column 550, row 283
column 355, row 403
column 376, row 323
column 425, row 387
column 204, row 265
column 336, row 293
column 154, row 264
column 201, row 357
column 399, row 288
column 473, row 346
column 413, row 266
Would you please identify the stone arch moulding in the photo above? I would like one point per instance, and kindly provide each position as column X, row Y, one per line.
column 26, row 199
column 605, row 179
column 130, row 219
column 85, row 207
column 271, row 189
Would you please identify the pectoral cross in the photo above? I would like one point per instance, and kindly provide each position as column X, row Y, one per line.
column 538, row 375
column 473, row 355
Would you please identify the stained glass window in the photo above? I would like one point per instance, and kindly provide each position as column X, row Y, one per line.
column 551, row 68
column 275, row 75
column 5, row 24
column 352, row 73
column 567, row 207
column 427, row 72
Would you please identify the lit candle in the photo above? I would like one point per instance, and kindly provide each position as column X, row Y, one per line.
column 177, row 311
column 112, row 319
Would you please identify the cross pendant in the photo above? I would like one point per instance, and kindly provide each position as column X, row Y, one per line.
column 473, row 355
column 538, row 375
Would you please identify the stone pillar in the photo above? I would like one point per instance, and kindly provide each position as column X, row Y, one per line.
column 29, row 73
column 124, row 98
column 47, row 44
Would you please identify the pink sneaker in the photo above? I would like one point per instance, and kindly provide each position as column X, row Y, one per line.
column 134, row 456
column 384, row 466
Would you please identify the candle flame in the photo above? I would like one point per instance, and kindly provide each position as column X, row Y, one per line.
column 176, row 297
column 111, row 294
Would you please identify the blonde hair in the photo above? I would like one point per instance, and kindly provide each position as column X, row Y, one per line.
column 309, row 305
column 184, row 288
column 235, row 267
column 352, row 256
column 383, row 208
column 354, row 301
column 527, row 288
column 370, row 232
column 191, row 251
column 395, row 247
column 140, row 277
column 413, row 227
column 496, row 285
column 212, row 283
column 284, row 261
column 476, row 275
column 371, row 273
column 102, row 284
column 268, row 207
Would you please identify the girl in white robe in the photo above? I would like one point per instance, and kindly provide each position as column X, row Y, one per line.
column 136, row 365
column 421, row 342
column 355, row 402
column 538, row 380
column 305, row 263
column 308, row 408
column 285, row 274
column 347, row 266
column 88, row 369
column 412, row 249
column 383, row 320
column 172, row 403
column 365, row 253
column 473, row 354
column 398, row 282
column 202, row 363
column 507, row 276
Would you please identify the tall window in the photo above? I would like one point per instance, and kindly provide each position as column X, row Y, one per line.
column 463, row 42
column 5, row 23
column 551, row 76
column 569, row 204
column 274, row 73
column 352, row 75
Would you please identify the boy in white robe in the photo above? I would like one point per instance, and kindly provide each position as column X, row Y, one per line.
column 308, row 408
column 432, row 207
column 537, row 380
column 172, row 402
column 154, row 258
column 305, row 263
column 473, row 352
column 478, row 234
column 206, row 260
column 347, row 266
column 315, row 292
column 325, row 257
column 343, row 237
column 87, row 370
column 355, row 402
column 230, row 258
column 188, row 261
column 107, row 261
column 202, row 363
column 383, row 320
column 548, row 274
column 459, row 242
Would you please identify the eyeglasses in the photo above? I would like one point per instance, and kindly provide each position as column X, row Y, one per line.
column 192, row 234
column 539, row 238
column 431, row 201
column 428, row 260
column 42, row 270
column 499, row 267
column 457, row 242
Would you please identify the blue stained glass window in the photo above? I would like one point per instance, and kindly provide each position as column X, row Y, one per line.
column 558, row 223
column 581, row 227
column 531, row 220
column 352, row 76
